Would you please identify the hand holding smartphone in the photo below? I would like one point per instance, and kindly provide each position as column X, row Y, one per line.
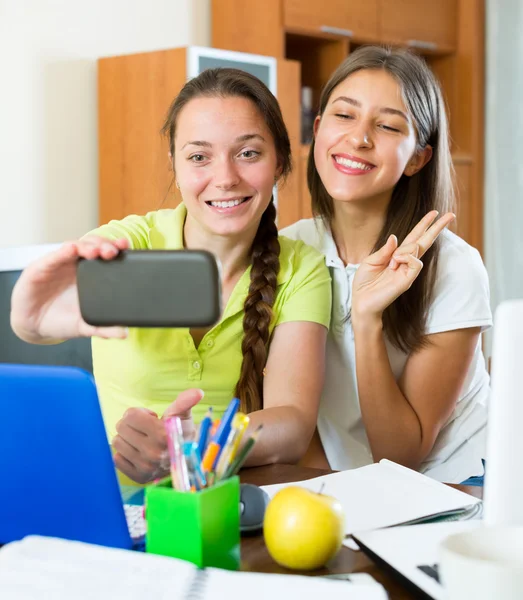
column 150, row 288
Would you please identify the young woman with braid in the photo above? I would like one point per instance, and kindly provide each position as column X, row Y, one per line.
column 228, row 146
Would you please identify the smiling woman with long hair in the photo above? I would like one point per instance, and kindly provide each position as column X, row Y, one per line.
column 406, row 379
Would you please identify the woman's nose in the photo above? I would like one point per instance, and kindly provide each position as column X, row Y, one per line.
column 360, row 136
column 226, row 175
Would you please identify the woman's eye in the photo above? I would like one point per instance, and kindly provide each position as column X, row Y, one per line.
column 197, row 158
column 388, row 128
column 249, row 154
column 344, row 116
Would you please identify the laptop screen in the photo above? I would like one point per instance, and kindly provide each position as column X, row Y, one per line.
column 75, row 353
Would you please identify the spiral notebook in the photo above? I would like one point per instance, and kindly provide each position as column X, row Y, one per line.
column 43, row 568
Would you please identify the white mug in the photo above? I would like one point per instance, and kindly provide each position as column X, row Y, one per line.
column 484, row 564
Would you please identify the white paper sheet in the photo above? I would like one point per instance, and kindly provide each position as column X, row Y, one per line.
column 384, row 494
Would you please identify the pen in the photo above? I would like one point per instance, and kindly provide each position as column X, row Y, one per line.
column 179, row 472
column 187, row 452
column 236, row 465
column 192, row 455
column 239, row 425
column 212, row 453
column 205, row 427
column 214, row 428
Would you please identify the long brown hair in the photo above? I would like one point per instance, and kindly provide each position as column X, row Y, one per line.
column 431, row 188
column 265, row 251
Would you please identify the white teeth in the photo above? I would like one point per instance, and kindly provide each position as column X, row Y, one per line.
column 352, row 164
column 228, row 204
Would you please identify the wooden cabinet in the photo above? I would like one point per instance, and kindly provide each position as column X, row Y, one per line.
column 448, row 33
column 288, row 82
column 305, row 197
column 462, row 167
column 254, row 27
column 423, row 24
column 134, row 93
column 356, row 19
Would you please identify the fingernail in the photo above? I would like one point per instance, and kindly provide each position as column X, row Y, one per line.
column 393, row 264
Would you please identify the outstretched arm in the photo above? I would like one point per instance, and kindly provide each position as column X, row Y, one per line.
column 403, row 418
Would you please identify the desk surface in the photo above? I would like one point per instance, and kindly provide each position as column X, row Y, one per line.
column 256, row 558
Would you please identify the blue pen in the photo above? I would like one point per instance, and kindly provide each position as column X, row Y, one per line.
column 192, row 457
column 222, row 433
column 196, row 461
column 205, row 427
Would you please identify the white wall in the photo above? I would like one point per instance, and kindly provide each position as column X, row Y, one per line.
column 48, row 118
column 504, row 150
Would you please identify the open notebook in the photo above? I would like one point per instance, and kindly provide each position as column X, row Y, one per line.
column 44, row 568
column 386, row 494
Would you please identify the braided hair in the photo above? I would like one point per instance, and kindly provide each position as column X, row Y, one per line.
column 265, row 250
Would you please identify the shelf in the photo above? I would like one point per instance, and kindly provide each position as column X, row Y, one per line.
column 318, row 56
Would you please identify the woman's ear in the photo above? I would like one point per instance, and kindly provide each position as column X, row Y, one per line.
column 317, row 122
column 418, row 161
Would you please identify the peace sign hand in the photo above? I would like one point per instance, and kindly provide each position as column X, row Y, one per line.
column 389, row 272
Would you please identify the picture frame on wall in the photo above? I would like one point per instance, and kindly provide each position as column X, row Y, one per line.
column 200, row 58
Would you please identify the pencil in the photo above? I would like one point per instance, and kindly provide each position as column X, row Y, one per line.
column 237, row 464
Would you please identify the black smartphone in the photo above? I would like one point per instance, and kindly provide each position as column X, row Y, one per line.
column 151, row 288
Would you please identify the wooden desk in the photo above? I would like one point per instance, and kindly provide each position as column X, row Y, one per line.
column 256, row 558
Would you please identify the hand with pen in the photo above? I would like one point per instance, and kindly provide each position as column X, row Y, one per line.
column 140, row 445
column 217, row 455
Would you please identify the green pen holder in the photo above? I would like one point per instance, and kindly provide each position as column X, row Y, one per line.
column 200, row 527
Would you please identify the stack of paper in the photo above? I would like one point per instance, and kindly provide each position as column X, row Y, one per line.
column 385, row 494
column 40, row 568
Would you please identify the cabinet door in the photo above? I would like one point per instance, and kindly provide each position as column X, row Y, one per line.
column 423, row 24
column 289, row 208
column 306, row 205
column 352, row 18
column 134, row 92
column 254, row 27
column 463, row 225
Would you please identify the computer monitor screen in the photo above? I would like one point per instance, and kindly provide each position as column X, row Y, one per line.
column 75, row 352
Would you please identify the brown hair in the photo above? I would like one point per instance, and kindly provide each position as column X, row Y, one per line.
column 431, row 188
column 265, row 251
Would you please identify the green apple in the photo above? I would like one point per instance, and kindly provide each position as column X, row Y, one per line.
column 303, row 529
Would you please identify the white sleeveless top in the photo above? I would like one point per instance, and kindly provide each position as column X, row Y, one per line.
column 461, row 300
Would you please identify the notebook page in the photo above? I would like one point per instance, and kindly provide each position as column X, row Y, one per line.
column 62, row 570
column 225, row 585
column 384, row 494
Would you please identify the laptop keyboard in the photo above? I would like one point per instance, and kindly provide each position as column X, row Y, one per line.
column 135, row 521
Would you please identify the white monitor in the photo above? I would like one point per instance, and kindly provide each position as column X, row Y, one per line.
column 13, row 350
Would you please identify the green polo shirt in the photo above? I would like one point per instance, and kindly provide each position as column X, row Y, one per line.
column 152, row 366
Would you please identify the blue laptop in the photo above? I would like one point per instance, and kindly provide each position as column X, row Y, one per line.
column 57, row 476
